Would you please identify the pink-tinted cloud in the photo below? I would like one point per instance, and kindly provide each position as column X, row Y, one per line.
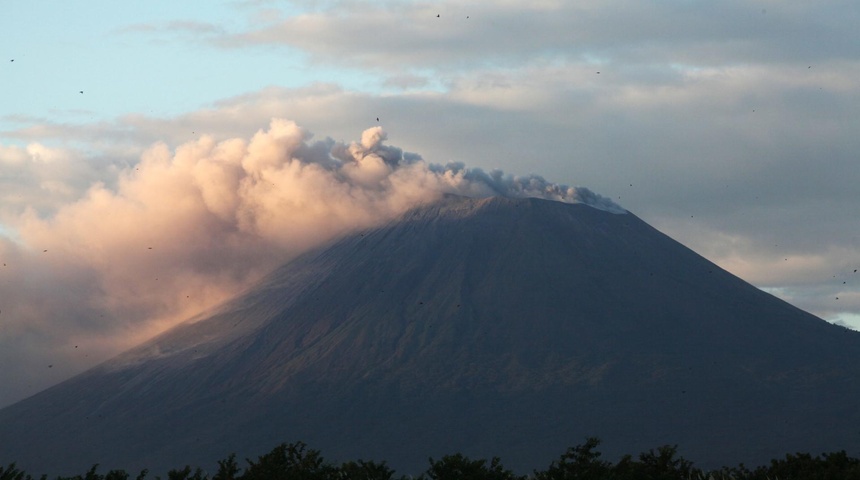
column 186, row 228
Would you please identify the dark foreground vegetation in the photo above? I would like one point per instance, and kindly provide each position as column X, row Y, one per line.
column 295, row 461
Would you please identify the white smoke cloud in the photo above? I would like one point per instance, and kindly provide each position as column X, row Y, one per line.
column 186, row 228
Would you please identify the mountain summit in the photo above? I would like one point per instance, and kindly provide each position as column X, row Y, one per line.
column 493, row 327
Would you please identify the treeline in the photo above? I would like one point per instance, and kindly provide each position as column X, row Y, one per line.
column 295, row 461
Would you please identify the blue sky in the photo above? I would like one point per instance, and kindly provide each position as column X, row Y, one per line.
column 731, row 126
column 135, row 57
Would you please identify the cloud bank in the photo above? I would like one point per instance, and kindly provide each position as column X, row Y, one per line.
column 186, row 228
column 448, row 35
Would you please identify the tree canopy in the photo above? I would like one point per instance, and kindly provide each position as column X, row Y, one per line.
column 296, row 461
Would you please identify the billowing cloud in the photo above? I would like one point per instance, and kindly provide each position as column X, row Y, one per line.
column 38, row 176
column 186, row 228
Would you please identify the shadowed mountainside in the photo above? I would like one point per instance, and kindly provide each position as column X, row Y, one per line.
column 509, row 327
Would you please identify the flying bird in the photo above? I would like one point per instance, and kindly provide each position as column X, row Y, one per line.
column 82, row 92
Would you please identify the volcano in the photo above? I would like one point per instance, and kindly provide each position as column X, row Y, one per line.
column 492, row 327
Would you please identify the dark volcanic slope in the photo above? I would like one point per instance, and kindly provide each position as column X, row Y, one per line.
column 509, row 327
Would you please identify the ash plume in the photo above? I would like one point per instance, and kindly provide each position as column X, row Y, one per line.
column 187, row 228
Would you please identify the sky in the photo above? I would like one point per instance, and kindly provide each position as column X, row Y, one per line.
column 158, row 157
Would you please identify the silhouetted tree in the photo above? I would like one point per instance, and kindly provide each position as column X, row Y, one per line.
column 361, row 470
column 116, row 475
column 292, row 461
column 228, row 469
column 92, row 474
column 581, row 462
column 458, row 467
column 660, row 465
column 297, row 462
column 830, row 466
column 186, row 474
column 13, row 473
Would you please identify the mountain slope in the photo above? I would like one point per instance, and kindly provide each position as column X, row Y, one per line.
column 510, row 327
